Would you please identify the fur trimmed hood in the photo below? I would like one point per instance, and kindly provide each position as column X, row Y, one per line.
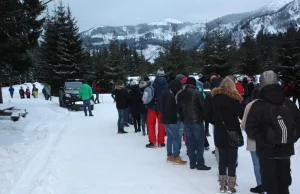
column 230, row 93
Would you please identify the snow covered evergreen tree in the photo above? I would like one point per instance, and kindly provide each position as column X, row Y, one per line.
column 114, row 67
column 248, row 54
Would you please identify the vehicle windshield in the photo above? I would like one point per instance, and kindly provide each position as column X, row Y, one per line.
column 73, row 85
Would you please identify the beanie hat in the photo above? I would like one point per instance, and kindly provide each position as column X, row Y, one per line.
column 267, row 78
column 134, row 82
column 161, row 72
column 191, row 81
column 180, row 77
column 146, row 79
column 184, row 80
column 143, row 84
column 119, row 83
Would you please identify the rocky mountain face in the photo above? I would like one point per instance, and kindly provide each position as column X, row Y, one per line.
column 275, row 17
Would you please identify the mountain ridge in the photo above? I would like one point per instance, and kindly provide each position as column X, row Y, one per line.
column 151, row 37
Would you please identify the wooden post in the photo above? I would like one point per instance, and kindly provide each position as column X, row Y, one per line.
column 1, row 99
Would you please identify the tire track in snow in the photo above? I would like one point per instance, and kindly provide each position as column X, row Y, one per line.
column 29, row 176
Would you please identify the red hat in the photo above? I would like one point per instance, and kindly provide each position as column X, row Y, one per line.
column 184, row 80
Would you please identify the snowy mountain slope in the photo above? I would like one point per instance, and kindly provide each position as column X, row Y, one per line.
column 273, row 18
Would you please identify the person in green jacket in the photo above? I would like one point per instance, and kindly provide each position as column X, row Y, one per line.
column 85, row 94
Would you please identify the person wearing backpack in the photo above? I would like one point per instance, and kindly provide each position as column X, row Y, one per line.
column 274, row 123
column 153, row 93
column 296, row 92
column 143, row 108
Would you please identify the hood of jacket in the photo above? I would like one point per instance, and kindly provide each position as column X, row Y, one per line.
column 230, row 93
column 189, row 86
column 215, row 82
column 160, row 81
column 272, row 94
column 175, row 86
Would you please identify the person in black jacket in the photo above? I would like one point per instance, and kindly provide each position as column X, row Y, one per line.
column 135, row 104
column 191, row 111
column 227, row 108
column 122, row 101
column 274, row 158
column 169, row 118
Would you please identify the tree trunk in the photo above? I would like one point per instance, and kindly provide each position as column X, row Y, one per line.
column 1, row 99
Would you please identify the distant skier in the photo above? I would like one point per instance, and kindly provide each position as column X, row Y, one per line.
column 11, row 91
column 22, row 92
column 27, row 92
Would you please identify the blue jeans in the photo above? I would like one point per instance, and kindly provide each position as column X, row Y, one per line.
column 181, row 131
column 144, row 120
column 195, row 143
column 87, row 106
column 256, row 166
column 97, row 97
column 173, row 139
column 126, row 112
column 122, row 114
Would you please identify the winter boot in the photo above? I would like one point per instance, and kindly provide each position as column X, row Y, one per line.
column 150, row 145
column 231, row 184
column 223, row 183
column 179, row 161
column 170, row 159
column 258, row 189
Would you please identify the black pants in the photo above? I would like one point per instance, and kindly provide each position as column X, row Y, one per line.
column 206, row 126
column 276, row 175
column 206, row 144
column 227, row 161
column 137, row 122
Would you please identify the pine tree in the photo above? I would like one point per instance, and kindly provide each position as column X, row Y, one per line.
column 248, row 54
column 288, row 54
column 216, row 53
column 114, row 68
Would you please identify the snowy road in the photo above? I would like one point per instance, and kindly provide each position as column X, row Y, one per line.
column 67, row 153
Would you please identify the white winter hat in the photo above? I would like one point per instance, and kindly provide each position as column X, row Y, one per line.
column 161, row 72
column 134, row 82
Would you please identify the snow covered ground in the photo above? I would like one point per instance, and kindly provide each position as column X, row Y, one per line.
column 54, row 151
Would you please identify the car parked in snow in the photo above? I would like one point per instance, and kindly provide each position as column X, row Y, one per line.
column 69, row 95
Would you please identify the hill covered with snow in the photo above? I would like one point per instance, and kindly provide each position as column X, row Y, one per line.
column 274, row 17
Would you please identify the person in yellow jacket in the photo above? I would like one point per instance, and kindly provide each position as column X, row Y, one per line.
column 85, row 94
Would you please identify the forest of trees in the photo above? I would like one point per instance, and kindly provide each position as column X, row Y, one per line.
column 47, row 49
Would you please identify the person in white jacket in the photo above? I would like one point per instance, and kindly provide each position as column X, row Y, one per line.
column 251, row 145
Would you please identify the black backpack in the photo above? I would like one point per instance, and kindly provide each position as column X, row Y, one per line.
column 282, row 128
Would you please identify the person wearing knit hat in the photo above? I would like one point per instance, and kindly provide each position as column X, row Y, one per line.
column 154, row 112
column 191, row 112
column 179, row 77
column 161, row 72
column 184, row 80
column 134, row 82
column 272, row 112
column 192, row 81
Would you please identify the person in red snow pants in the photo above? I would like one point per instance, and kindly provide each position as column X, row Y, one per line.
column 151, row 122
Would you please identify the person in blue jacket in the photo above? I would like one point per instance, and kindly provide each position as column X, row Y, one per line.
column 11, row 91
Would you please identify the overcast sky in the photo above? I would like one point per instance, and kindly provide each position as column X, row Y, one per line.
column 94, row 13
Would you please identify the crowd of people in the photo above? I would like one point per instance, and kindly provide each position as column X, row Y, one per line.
column 184, row 108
